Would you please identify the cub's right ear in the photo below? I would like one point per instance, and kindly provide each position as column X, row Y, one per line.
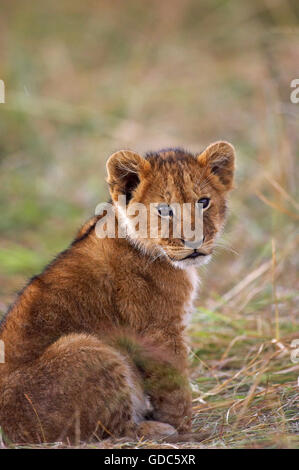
column 125, row 170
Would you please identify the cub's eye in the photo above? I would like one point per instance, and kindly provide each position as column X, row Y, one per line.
column 205, row 201
column 164, row 210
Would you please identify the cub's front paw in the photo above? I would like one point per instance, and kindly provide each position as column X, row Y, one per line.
column 175, row 409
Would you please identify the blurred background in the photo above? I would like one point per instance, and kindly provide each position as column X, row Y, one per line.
column 84, row 79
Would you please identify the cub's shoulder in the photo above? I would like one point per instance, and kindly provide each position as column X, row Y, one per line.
column 86, row 228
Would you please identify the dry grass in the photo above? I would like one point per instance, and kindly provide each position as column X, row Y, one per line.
column 84, row 79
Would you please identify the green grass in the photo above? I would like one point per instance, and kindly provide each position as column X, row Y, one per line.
column 84, row 79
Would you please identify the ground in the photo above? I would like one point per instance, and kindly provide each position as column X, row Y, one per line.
column 84, row 79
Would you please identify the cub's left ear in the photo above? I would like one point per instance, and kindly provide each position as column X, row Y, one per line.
column 219, row 157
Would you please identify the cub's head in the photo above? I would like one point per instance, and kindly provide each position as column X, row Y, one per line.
column 173, row 203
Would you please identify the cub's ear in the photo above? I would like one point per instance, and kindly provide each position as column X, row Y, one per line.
column 220, row 158
column 125, row 170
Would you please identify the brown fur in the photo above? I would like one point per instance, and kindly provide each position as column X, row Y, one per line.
column 95, row 343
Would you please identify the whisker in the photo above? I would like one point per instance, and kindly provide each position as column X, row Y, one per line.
column 226, row 248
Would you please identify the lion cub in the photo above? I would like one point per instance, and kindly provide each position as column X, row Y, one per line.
column 94, row 345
